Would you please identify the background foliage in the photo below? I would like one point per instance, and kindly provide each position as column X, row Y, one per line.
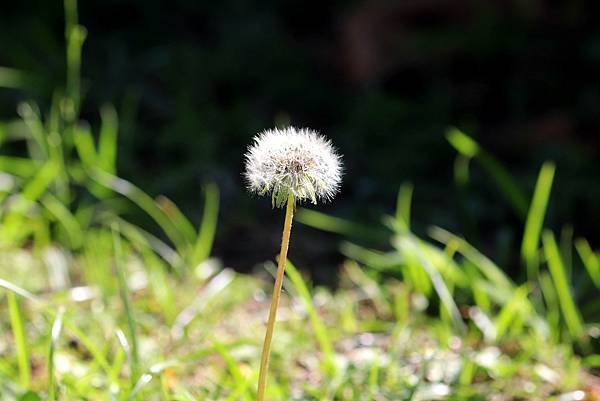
column 193, row 81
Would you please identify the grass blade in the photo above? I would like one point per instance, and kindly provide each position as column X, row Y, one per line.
column 125, row 298
column 107, row 142
column 337, row 225
column 55, row 334
column 75, row 36
column 84, row 145
column 19, row 166
column 65, row 218
column 144, row 202
column 317, row 324
column 412, row 248
column 511, row 191
column 512, row 311
column 535, row 219
column 139, row 386
column 591, row 261
column 403, row 204
column 208, row 226
column 170, row 209
column 489, row 269
column 18, row 290
column 559, row 277
column 18, row 329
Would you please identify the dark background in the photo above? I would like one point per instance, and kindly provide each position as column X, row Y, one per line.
column 193, row 81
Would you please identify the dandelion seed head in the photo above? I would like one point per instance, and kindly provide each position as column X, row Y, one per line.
column 293, row 161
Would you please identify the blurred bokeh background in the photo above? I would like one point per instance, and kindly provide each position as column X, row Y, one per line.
column 193, row 81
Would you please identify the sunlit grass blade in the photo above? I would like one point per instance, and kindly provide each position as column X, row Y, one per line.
column 481, row 298
column 14, row 228
column 40, row 182
column 107, row 141
column 36, row 134
column 591, row 260
column 403, row 204
column 65, row 218
column 208, row 225
column 535, row 219
column 19, row 166
column 511, row 191
column 316, row 322
column 411, row 246
column 125, row 299
column 161, row 285
column 552, row 306
column 143, row 239
column 21, row 348
column 338, row 225
column 75, row 36
column 170, row 209
column 87, row 341
column 374, row 259
column 124, row 353
column 18, row 290
column 512, row 311
column 139, row 386
column 483, row 263
column 54, row 336
column 84, row 144
column 559, row 277
column 144, row 202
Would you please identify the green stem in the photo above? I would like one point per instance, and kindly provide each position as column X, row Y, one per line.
column 285, row 242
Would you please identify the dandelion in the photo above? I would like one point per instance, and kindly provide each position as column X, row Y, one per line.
column 291, row 165
column 290, row 161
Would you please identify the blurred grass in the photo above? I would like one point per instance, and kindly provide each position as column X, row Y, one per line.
column 535, row 220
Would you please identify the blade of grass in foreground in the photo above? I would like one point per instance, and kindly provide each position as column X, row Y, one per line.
column 412, row 248
column 18, row 329
column 403, row 204
column 144, row 202
column 590, row 260
column 489, row 269
column 316, row 322
column 124, row 293
column 87, row 342
column 208, row 226
column 107, row 142
column 338, row 225
column 559, row 277
column 139, row 386
column 173, row 212
column 56, row 330
column 535, row 220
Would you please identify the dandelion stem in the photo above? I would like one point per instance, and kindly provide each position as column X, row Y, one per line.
column 285, row 242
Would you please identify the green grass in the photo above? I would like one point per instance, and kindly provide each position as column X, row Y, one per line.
column 380, row 337
column 98, row 308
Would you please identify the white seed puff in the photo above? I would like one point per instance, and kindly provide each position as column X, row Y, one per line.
column 293, row 161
